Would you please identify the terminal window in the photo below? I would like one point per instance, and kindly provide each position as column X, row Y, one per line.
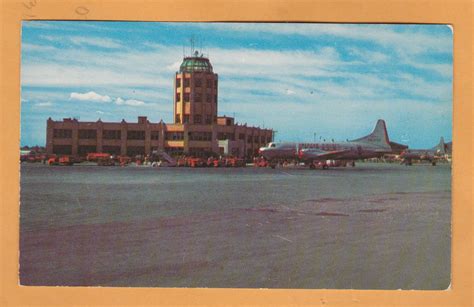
column 155, row 135
column 200, row 136
column 111, row 134
column 62, row 149
column 62, row 133
column 83, row 150
column 87, row 133
column 113, row 150
column 135, row 151
column 136, row 135
column 174, row 136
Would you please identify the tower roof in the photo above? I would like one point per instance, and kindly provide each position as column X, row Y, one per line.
column 195, row 63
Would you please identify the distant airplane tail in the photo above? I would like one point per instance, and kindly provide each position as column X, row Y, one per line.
column 441, row 147
column 379, row 136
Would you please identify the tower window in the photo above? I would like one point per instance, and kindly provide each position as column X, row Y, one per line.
column 197, row 119
column 198, row 83
column 178, row 82
column 186, row 119
column 177, row 119
column 178, row 96
column 186, row 82
column 215, row 83
column 209, row 83
column 208, row 98
column 208, row 119
column 197, row 97
column 186, row 97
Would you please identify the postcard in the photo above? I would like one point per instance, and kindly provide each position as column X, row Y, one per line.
column 236, row 155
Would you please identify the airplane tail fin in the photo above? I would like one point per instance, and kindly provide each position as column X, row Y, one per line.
column 379, row 136
column 441, row 147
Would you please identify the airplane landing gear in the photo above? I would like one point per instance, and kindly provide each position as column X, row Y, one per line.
column 353, row 164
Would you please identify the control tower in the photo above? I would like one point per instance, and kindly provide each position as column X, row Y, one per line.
column 195, row 91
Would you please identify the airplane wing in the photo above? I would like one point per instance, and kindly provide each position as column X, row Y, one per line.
column 318, row 154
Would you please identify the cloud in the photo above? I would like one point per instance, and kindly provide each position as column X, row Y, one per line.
column 93, row 96
column 410, row 40
column 129, row 102
column 44, row 104
column 95, row 42
column 368, row 56
column 101, row 42
column 90, row 96
column 27, row 47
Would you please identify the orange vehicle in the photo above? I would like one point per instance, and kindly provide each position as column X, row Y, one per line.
column 65, row 160
column 195, row 162
column 181, row 162
column 234, row 162
column 260, row 162
column 95, row 156
column 210, row 162
column 62, row 160
column 217, row 163
column 124, row 160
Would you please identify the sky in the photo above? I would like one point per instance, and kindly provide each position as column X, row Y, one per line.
column 306, row 81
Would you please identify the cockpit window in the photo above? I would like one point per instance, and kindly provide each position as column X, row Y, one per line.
column 272, row 145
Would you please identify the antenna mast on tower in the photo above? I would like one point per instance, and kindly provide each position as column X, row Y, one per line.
column 191, row 40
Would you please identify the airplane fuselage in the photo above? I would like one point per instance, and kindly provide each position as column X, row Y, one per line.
column 322, row 151
column 418, row 154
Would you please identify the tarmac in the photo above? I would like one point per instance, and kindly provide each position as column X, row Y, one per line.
column 375, row 226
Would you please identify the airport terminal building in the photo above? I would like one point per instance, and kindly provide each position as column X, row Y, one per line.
column 197, row 129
